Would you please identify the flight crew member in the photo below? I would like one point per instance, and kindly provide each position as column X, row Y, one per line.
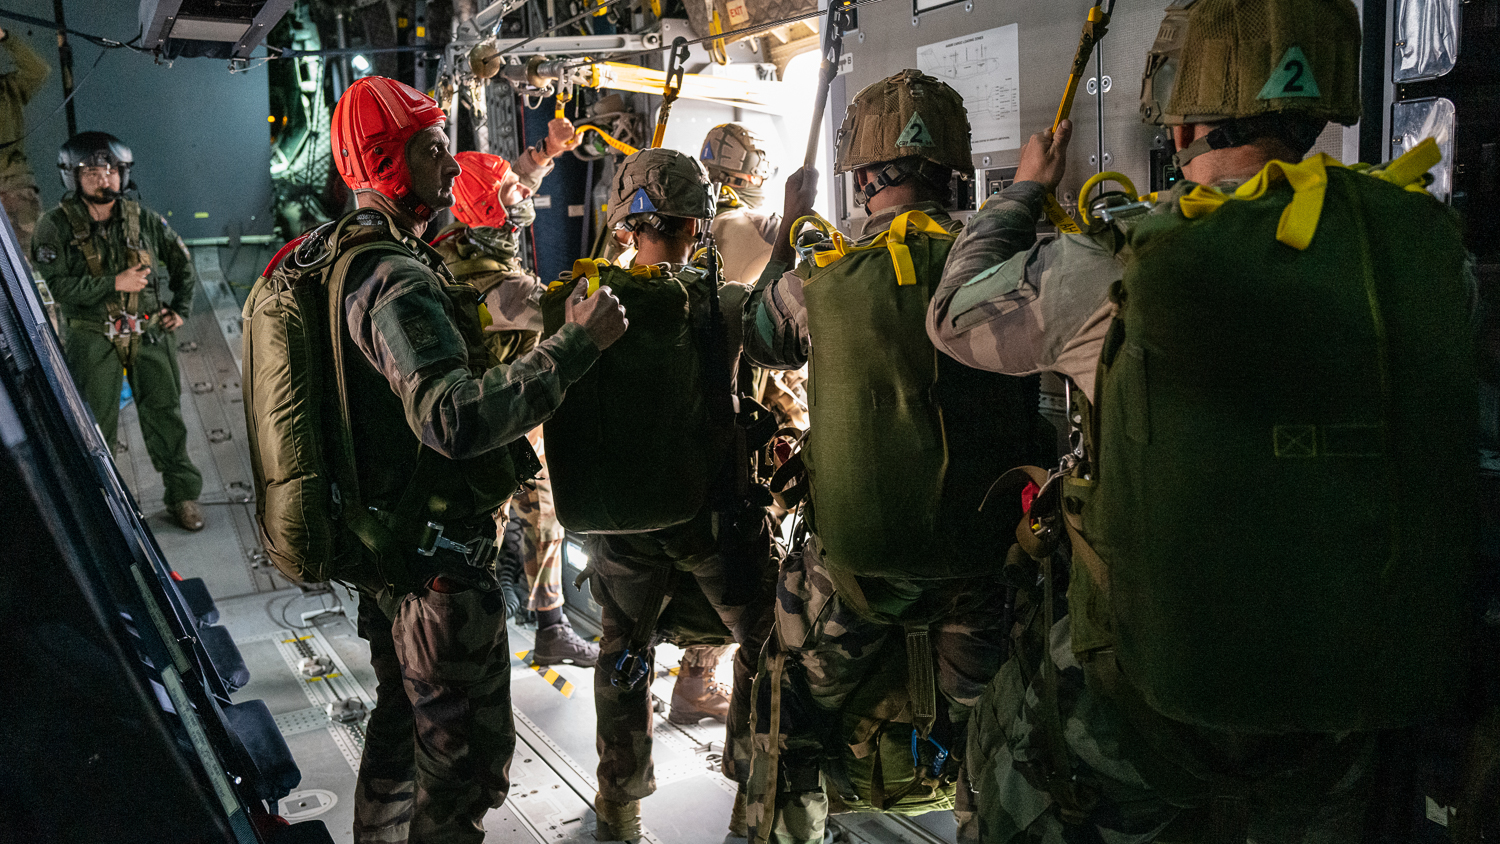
column 427, row 412
column 482, row 249
column 109, row 261
column 1169, row 768
column 902, row 138
column 737, row 161
column 659, row 202
column 22, row 73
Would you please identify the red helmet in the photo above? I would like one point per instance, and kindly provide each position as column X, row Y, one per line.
column 371, row 125
column 476, row 191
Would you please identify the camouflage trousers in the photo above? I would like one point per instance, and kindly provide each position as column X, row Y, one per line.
column 1278, row 789
column 439, row 742
column 720, row 594
column 24, row 207
column 541, row 543
column 840, row 657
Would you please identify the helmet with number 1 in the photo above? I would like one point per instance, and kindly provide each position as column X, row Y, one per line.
column 476, row 191
column 1254, row 68
column 371, row 125
column 914, row 124
column 656, row 183
column 736, row 156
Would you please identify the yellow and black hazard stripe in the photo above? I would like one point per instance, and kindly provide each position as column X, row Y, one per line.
column 554, row 679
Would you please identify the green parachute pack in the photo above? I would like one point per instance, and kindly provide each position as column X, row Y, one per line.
column 1282, row 519
column 904, row 442
column 639, row 440
column 308, row 502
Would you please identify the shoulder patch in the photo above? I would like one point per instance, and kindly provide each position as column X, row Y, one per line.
column 1293, row 77
column 369, row 218
column 916, row 133
column 45, row 254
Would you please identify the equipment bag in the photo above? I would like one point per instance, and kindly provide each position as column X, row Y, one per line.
column 638, row 441
column 903, row 441
column 308, row 501
column 1285, row 497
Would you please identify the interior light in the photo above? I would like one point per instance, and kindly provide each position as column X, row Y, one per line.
column 360, row 63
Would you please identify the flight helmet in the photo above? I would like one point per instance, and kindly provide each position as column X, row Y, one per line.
column 93, row 149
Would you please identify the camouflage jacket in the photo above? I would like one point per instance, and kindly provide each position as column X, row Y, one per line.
column 486, row 258
column 22, row 73
column 744, row 236
column 776, row 334
column 1010, row 304
column 401, row 317
column 87, row 297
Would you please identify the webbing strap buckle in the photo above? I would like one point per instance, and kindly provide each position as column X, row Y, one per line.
column 630, row 671
column 478, row 553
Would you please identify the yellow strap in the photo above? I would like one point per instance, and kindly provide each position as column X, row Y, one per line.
column 607, row 138
column 1408, row 170
column 893, row 240
column 485, row 320
column 1309, row 181
column 588, row 268
column 716, row 50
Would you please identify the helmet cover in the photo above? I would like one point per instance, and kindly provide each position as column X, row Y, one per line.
column 660, row 181
column 736, row 156
column 908, row 114
column 1219, row 60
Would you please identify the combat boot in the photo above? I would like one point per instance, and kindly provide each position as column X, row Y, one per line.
column 617, row 821
column 188, row 514
column 557, row 643
column 697, row 696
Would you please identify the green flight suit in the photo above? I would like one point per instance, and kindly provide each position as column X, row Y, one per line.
column 84, row 288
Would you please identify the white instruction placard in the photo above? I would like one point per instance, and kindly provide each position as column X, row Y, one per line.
column 985, row 68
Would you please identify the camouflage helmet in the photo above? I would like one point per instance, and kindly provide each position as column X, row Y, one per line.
column 1223, row 60
column 661, row 182
column 736, row 156
column 909, row 114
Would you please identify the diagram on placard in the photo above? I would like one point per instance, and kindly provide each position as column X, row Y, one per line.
column 985, row 68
